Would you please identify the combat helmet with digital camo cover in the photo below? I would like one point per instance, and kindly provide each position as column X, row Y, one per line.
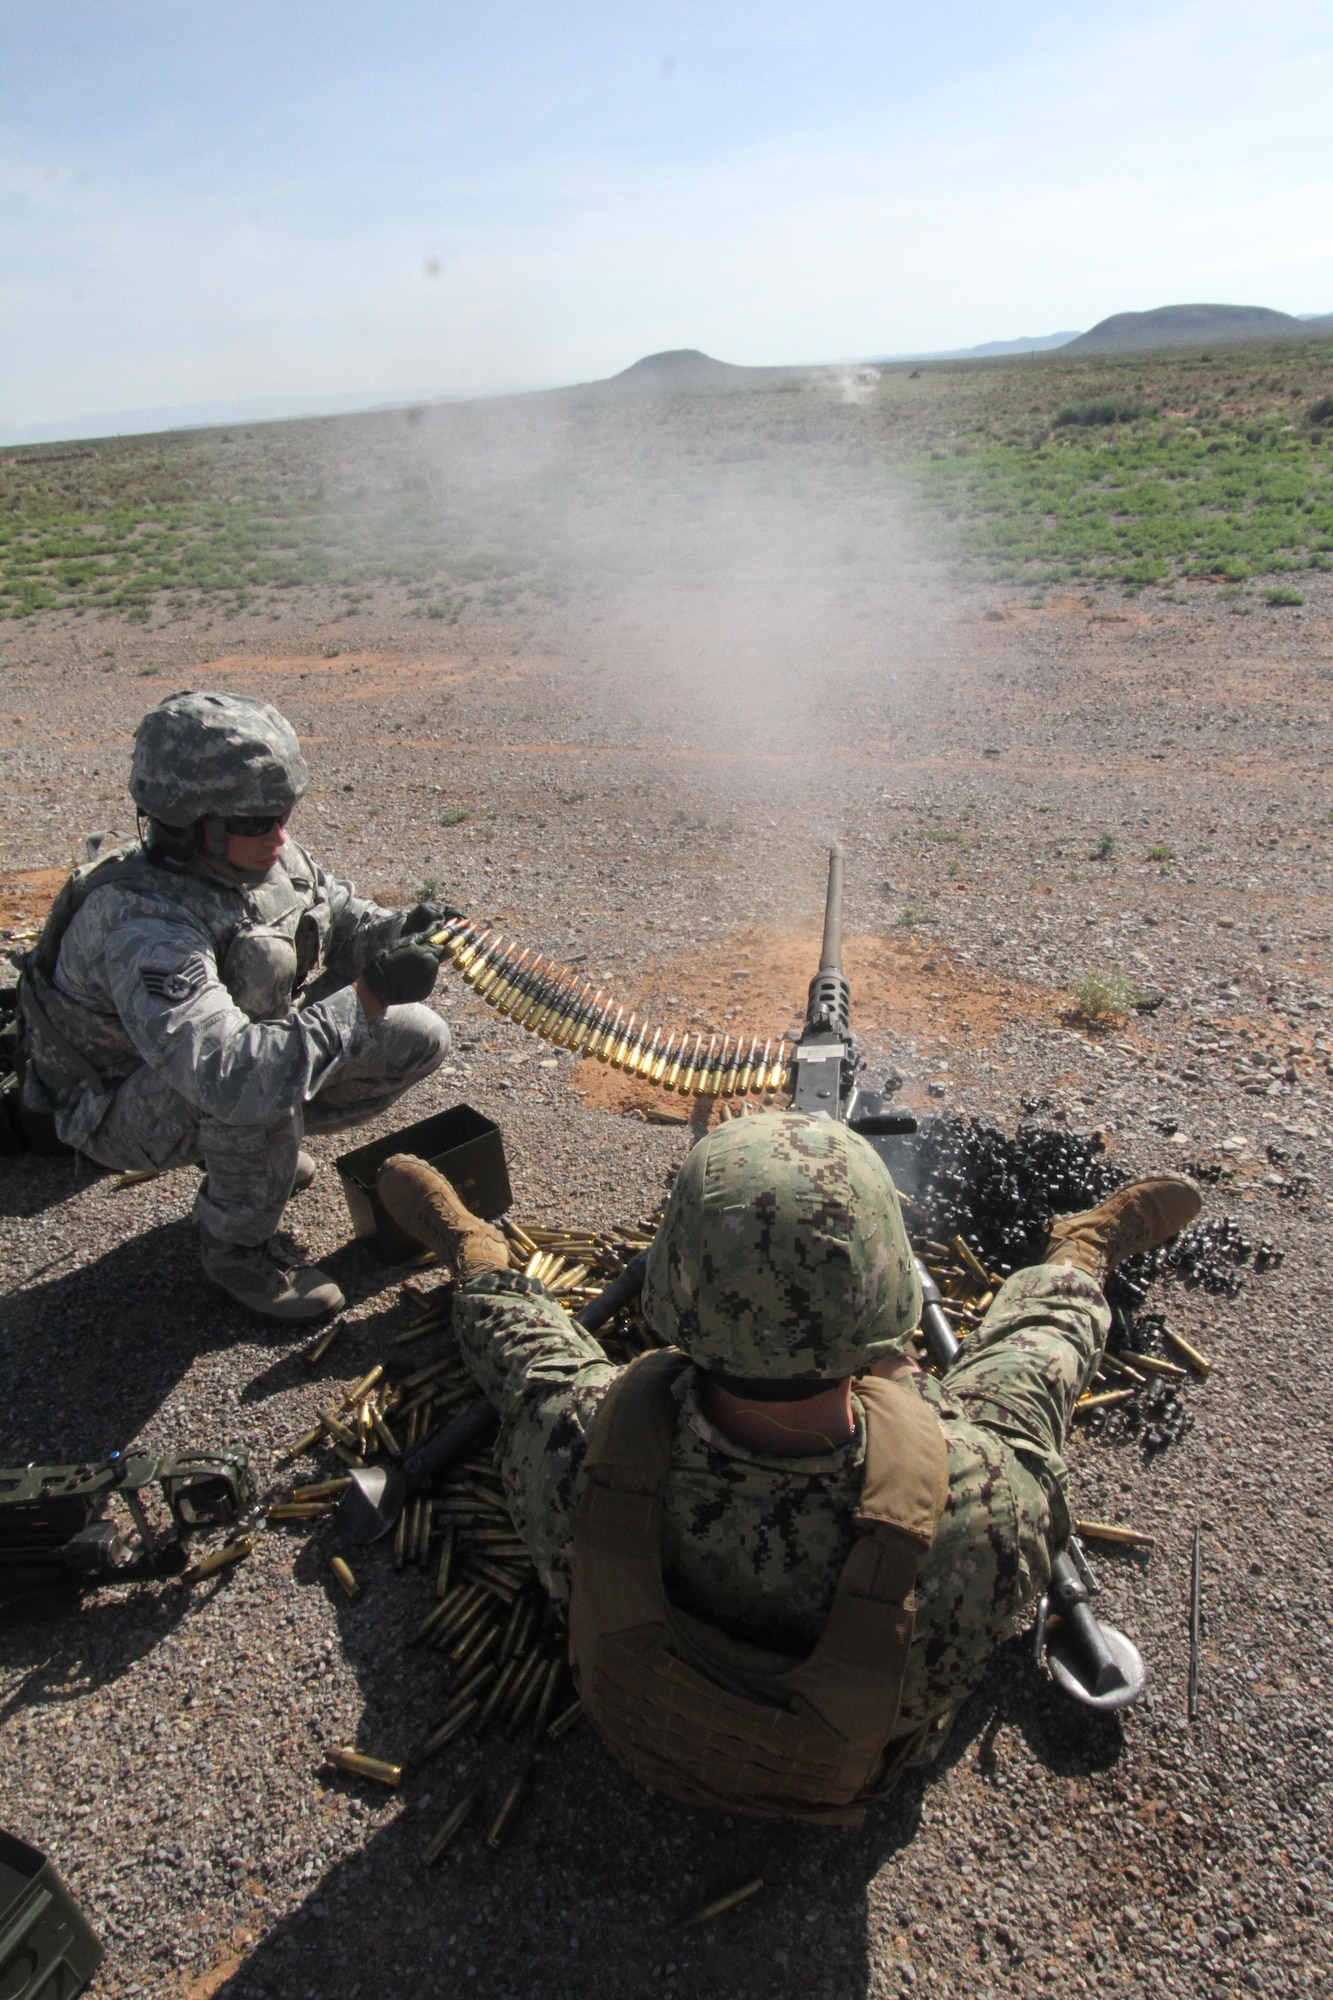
column 782, row 1256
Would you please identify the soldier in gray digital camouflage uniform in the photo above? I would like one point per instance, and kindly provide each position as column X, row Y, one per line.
column 783, row 1271
column 210, row 993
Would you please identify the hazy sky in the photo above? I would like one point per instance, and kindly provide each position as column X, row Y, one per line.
column 203, row 199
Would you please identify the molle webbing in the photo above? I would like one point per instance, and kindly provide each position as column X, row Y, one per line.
column 551, row 1001
column 711, row 1720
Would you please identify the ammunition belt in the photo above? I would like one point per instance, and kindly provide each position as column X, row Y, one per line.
column 548, row 1000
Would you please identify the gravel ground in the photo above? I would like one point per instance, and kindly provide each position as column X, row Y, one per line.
column 650, row 782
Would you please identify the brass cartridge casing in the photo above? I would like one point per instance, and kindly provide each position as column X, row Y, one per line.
column 508, row 1812
column 524, row 1626
column 506, row 976
column 449, row 1828
column 478, row 1646
column 682, row 1079
column 623, row 1044
column 1086, row 1403
column 530, row 999
column 298, row 1510
column 507, row 1648
column 475, row 1684
column 557, row 1014
column 546, row 1703
column 347, row 1582
column 443, row 1573
column 660, row 1063
column 400, row 1539
column 1199, row 1362
column 385, row 1435
column 526, row 1692
column 499, row 1690
column 574, row 1020
column 223, row 1558
column 360, row 1390
column 465, row 1616
column 1109, row 1531
column 327, row 1489
column 746, row 1071
column 583, row 1028
column 706, row 1079
column 604, row 1027
column 641, row 1051
column 304, row 1442
column 1150, row 1365
column 465, row 959
column 565, row 1721
column 496, row 961
column 446, row 1608
column 453, row 1725
column 547, row 986
column 357, row 1765
column 504, row 1583
column 315, row 1354
column 720, row 1904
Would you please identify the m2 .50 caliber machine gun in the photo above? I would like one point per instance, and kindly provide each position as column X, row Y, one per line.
column 1091, row 1661
column 58, row 1525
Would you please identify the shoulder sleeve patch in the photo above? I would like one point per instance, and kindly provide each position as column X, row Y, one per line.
column 178, row 984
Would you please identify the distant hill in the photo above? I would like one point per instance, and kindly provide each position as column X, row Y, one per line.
column 1195, row 326
column 684, row 368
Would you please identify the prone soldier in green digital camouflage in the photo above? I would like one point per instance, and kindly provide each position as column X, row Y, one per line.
column 209, row 993
column 787, row 1553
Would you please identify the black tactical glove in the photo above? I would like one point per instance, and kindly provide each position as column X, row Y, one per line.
column 403, row 973
column 428, row 917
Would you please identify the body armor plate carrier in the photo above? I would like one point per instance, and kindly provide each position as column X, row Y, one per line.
column 711, row 1720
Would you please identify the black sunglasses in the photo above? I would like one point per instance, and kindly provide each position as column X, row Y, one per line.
column 256, row 827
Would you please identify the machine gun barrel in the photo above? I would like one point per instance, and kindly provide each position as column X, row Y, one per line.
column 830, row 957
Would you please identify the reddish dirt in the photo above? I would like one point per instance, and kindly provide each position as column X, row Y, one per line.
column 25, row 897
column 902, row 987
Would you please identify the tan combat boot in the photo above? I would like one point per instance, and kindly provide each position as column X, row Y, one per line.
column 268, row 1280
column 1134, row 1218
column 424, row 1203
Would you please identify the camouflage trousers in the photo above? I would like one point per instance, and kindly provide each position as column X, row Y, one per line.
column 249, row 1168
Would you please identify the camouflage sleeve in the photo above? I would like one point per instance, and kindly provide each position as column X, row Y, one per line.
column 546, row 1378
column 163, row 978
column 358, row 928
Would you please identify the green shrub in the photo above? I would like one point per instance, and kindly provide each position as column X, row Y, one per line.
column 455, row 816
column 1102, row 410
column 1282, row 593
column 1163, row 854
column 1106, row 847
column 1321, row 411
column 1103, row 998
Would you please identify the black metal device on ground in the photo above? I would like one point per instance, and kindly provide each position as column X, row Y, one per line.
column 59, row 1524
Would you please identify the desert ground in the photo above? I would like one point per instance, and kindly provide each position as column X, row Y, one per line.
column 644, row 778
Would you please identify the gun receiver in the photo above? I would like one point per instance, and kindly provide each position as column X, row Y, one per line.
column 824, row 1065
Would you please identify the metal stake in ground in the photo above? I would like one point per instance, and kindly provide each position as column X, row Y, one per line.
column 1196, row 1623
